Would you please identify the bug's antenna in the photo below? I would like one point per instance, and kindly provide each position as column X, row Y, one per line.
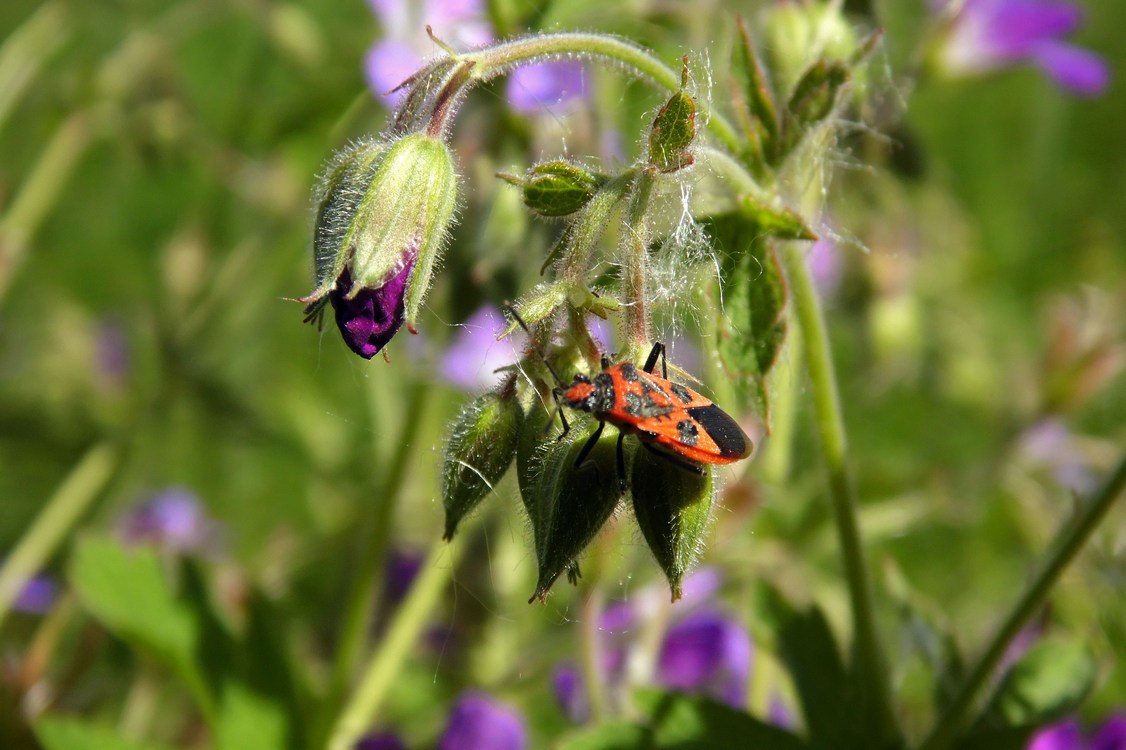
column 507, row 307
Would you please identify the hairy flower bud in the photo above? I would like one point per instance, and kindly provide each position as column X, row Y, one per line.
column 557, row 188
column 672, row 507
column 383, row 210
column 674, row 129
column 569, row 504
column 481, row 447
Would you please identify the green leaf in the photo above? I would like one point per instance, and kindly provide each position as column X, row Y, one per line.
column 59, row 733
column 689, row 722
column 127, row 592
column 758, row 100
column 674, row 129
column 1049, row 681
column 829, row 698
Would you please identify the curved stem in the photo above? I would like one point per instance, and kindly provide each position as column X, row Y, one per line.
column 1070, row 540
column 499, row 59
column 869, row 663
column 403, row 632
column 82, row 486
column 635, row 262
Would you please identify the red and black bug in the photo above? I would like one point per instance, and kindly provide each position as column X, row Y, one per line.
column 671, row 420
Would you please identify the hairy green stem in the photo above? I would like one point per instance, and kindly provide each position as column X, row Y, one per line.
column 635, row 263
column 496, row 60
column 71, row 500
column 869, row 662
column 403, row 632
column 1067, row 545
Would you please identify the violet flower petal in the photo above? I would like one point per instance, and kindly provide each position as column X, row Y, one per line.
column 472, row 359
column 1065, row 735
column 174, row 519
column 707, row 652
column 1012, row 27
column 387, row 64
column 479, row 722
column 567, row 685
column 1111, row 735
column 371, row 319
column 548, row 86
column 380, row 741
column 1073, row 68
column 36, row 596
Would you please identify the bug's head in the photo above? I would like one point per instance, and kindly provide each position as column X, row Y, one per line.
column 577, row 395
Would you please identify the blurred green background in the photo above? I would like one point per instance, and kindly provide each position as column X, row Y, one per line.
column 155, row 164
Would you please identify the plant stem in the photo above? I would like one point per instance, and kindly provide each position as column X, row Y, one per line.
column 1070, row 540
column 78, row 491
column 403, row 632
column 501, row 58
column 869, row 663
column 591, row 651
column 635, row 263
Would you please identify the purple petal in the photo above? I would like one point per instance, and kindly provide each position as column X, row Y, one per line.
column 1066, row 735
column 173, row 519
column 1111, row 735
column 709, row 653
column 478, row 722
column 699, row 586
column 1013, row 27
column 36, row 596
column 472, row 359
column 400, row 571
column 452, row 11
column 372, row 317
column 546, row 86
column 388, row 64
column 113, row 351
column 779, row 714
column 824, row 263
column 380, row 741
column 1073, row 68
column 567, row 685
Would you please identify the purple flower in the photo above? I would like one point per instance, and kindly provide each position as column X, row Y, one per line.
column 1050, row 444
column 112, row 351
column 546, row 87
column 472, row 359
column 709, row 653
column 1068, row 735
column 370, row 317
column 174, row 520
column 380, row 741
column 37, row 596
column 566, row 683
column 479, row 722
column 824, row 262
column 990, row 34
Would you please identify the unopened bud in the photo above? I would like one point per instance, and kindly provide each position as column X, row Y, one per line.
column 481, row 447
column 674, row 129
column 672, row 506
column 557, row 188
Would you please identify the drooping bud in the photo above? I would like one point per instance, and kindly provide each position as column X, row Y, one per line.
column 674, row 129
column 569, row 504
column 383, row 210
column 481, row 447
column 672, row 506
column 557, row 188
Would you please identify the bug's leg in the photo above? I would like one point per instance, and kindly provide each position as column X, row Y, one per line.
column 623, row 483
column 686, row 465
column 658, row 350
column 573, row 573
column 589, row 445
column 605, row 363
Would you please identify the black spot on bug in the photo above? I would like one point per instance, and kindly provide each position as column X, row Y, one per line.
column 650, row 409
column 603, row 399
column 628, row 372
column 633, row 404
column 649, row 386
column 686, row 432
column 722, row 429
column 681, row 392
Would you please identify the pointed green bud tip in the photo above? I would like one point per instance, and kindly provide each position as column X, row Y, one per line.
column 816, row 93
column 383, row 212
column 569, row 504
column 559, row 188
column 673, row 508
column 674, row 129
column 482, row 444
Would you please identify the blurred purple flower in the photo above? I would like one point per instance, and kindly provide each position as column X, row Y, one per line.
column 112, row 351
column 990, row 34
column 462, row 24
column 1068, row 735
column 471, row 360
column 1050, row 444
column 479, row 722
column 546, row 87
column 824, row 263
column 380, row 741
column 37, row 596
column 707, row 653
column 173, row 519
column 399, row 573
column 566, row 683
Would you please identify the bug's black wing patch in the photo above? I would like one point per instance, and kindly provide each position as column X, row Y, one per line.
column 724, row 430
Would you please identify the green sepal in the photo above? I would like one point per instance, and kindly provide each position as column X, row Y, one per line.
column 674, row 129
column 538, row 304
column 481, row 447
column 558, row 188
column 813, row 99
column 752, row 330
column 570, row 504
column 757, row 108
column 672, row 506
